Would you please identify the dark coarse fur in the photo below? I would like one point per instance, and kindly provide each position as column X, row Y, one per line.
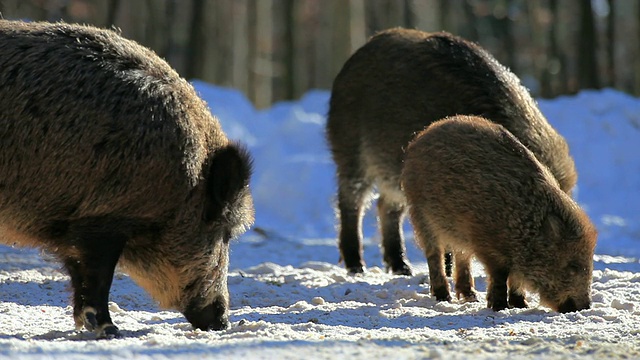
column 392, row 88
column 472, row 187
column 108, row 156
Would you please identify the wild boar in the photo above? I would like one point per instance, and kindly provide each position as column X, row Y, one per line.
column 394, row 86
column 110, row 157
column 474, row 188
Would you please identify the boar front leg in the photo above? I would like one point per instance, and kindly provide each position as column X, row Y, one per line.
column 390, row 216
column 497, row 288
column 91, row 267
column 516, row 292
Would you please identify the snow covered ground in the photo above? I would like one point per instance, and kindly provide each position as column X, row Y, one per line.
column 291, row 299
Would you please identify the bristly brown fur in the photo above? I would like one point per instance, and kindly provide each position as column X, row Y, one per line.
column 109, row 156
column 472, row 187
column 390, row 89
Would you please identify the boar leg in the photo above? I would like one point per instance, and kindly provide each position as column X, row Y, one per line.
column 390, row 216
column 448, row 263
column 464, row 281
column 497, row 288
column 352, row 194
column 435, row 256
column 73, row 268
column 91, row 269
column 516, row 293
column 437, row 278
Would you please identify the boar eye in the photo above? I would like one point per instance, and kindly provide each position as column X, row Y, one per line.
column 575, row 268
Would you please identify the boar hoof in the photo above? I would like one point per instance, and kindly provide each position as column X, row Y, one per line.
column 109, row 331
column 403, row 269
column 442, row 294
column 497, row 305
column 518, row 301
column 89, row 318
column 353, row 270
column 570, row 305
column 467, row 298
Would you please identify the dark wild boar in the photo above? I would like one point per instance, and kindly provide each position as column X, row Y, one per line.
column 392, row 88
column 109, row 157
column 474, row 188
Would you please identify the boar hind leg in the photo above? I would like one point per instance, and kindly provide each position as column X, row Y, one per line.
column 91, row 268
column 464, row 280
column 437, row 278
column 352, row 194
column 390, row 217
column 434, row 252
column 497, row 289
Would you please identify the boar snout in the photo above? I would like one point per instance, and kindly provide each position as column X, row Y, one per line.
column 214, row 316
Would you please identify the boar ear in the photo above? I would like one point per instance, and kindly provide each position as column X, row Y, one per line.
column 229, row 172
column 553, row 225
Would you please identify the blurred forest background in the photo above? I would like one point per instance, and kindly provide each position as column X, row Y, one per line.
column 277, row 49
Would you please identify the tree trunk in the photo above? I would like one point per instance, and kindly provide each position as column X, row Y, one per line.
column 409, row 15
column 340, row 36
column 168, row 48
column 304, row 39
column 289, row 48
column 611, row 41
column 240, row 46
column 505, row 26
column 357, row 25
column 445, row 10
column 470, row 31
column 637, row 59
column 263, row 63
column 556, row 62
column 195, row 42
column 112, row 12
column 587, row 44
column 323, row 52
column 252, row 55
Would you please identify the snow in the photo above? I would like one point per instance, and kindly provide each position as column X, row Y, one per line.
column 291, row 299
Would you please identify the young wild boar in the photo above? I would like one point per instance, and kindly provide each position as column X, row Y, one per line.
column 109, row 157
column 392, row 88
column 474, row 188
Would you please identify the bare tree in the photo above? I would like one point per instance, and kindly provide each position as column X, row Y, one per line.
column 289, row 48
column 358, row 26
column 409, row 14
column 194, row 47
column 239, row 45
column 470, row 30
column 587, row 45
column 112, row 12
column 611, row 43
column 252, row 54
column 168, row 48
column 637, row 50
column 556, row 62
column 504, row 25
column 263, row 62
column 340, row 36
column 445, row 11
column 277, row 49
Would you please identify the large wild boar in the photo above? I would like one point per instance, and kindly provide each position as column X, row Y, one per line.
column 474, row 188
column 392, row 88
column 109, row 157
